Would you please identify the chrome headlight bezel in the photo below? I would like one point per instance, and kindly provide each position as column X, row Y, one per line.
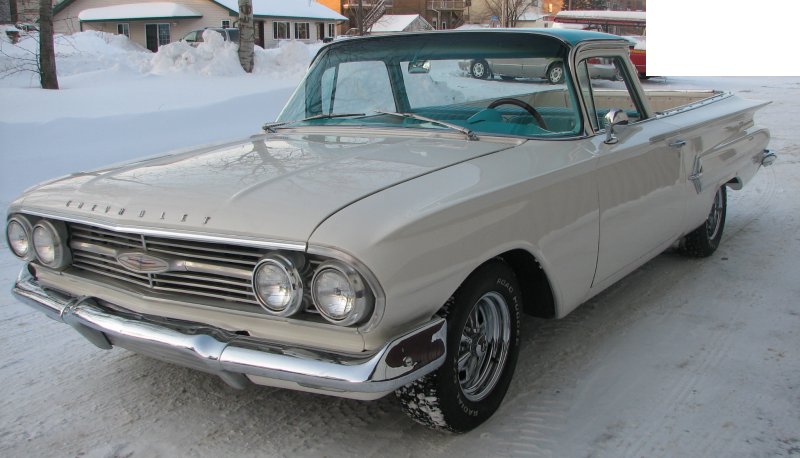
column 362, row 302
column 57, row 230
column 27, row 230
column 285, row 266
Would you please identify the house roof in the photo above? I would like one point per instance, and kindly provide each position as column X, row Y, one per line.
column 531, row 16
column 138, row 11
column 300, row 9
column 394, row 22
column 601, row 15
column 294, row 9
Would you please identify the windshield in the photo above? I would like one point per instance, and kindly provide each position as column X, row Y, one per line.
column 495, row 83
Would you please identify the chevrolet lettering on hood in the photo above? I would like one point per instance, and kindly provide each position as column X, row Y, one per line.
column 385, row 233
column 182, row 217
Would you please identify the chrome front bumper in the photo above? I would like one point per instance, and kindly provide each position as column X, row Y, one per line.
column 238, row 359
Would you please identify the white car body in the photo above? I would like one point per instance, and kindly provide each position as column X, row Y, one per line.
column 413, row 209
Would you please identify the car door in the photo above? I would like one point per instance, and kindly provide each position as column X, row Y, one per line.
column 506, row 67
column 639, row 175
column 536, row 67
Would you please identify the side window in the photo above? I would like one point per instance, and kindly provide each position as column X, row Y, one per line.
column 603, row 88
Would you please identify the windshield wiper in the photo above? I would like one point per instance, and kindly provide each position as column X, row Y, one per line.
column 470, row 134
column 270, row 126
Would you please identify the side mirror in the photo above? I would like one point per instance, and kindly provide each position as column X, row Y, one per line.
column 614, row 117
column 419, row 66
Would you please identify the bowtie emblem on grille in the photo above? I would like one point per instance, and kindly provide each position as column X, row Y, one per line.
column 142, row 263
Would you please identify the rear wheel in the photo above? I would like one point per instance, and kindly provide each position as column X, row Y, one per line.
column 483, row 343
column 479, row 69
column 704, row 240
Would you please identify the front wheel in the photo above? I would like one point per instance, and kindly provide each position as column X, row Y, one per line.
column 555, row 74
column 704, row 240
column 483, row 320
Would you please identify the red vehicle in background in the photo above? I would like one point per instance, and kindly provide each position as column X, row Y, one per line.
column 639, row 54
column 629, row 24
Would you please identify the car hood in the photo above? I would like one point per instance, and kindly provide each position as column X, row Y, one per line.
column 269, row 187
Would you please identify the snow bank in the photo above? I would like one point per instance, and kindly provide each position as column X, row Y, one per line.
column 289, row 58
column 212, row 57
column 92, row 51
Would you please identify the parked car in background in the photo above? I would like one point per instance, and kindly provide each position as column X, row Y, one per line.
column 386, row 232
column 27, row 27
column 195, row 37
column 547, row 68
column 551, row 69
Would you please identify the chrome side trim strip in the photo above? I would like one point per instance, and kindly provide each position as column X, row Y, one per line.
column 233, row 357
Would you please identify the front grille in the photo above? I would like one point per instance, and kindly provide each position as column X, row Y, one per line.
column 214, row 273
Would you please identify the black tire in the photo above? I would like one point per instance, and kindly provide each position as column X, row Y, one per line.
column 469, row 387
column 703, row 241
column 480, row 69
column 555, row 73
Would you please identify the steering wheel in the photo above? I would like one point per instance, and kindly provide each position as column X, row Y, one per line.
column 509, row 101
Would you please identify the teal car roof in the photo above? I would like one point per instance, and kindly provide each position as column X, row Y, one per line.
column 571, row 36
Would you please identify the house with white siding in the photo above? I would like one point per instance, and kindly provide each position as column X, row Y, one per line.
column 153, row 23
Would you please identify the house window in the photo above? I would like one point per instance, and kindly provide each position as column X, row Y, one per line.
column 156, row 35
column 301, row 31
column 331, row 30
column 280, row 30
column 444, row 25
column 163, row 34
column 122, row 29
column 226, row 24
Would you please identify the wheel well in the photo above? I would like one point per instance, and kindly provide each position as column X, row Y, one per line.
column 537, row 296
column 735, row 183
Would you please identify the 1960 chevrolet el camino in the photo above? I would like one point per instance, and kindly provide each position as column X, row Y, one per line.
column 385, row 233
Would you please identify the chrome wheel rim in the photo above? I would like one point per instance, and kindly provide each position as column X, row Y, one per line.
column 483, row 348
column 556, row 73
column 477, row 70
column 715, row 216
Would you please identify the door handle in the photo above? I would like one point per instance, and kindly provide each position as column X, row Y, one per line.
column 678, row 144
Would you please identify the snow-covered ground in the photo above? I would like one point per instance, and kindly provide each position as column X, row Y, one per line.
column 681, row 358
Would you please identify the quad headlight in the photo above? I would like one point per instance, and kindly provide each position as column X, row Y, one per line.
column 278, row 285
column 340, row 294
column 50, row 244
column 18, row 236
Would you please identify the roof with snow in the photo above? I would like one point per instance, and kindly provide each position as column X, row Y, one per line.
column 532, row 16
column 601, row 15
column 290, row 9
column 472, row 26
column 300, row 9
column 395, row 23
column 138, row 11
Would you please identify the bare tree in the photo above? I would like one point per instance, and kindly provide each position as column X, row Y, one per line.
column 508, row 12
column 247, row 35
column 47, row 53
